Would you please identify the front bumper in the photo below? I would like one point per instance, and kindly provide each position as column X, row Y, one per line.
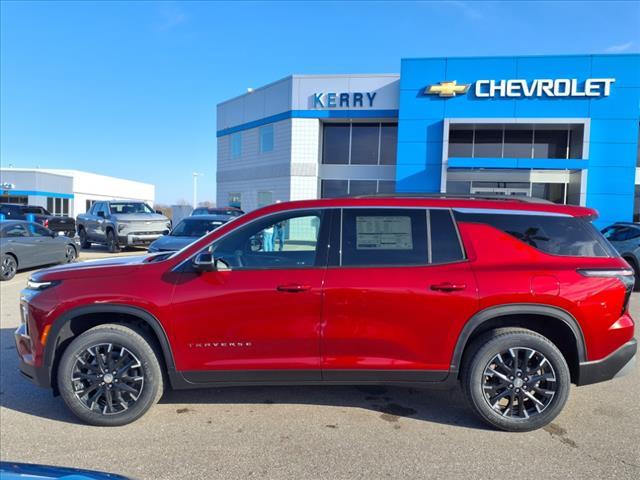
column 618, row 363
column 39, row 375
column 133, row 239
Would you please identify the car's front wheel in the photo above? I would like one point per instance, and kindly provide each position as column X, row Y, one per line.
column 110, row 375
column 8, row 267
column 515, row 379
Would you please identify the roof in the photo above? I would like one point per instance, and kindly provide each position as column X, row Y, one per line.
column 412, row 200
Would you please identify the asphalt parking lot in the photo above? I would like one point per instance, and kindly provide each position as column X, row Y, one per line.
column 317, row 432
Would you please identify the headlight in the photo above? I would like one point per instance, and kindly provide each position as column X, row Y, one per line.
column 33, row 285
column 122, row 226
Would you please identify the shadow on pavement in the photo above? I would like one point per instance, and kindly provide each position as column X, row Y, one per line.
column 392, row 403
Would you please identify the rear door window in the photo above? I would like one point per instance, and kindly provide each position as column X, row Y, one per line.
column 445, row 243
column 384, row 237
column 556, row 235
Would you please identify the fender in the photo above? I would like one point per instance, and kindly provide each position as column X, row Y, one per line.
column 514, row 309
column 60, row 331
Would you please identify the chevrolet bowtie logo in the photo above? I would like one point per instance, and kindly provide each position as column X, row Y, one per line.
column 447, row 89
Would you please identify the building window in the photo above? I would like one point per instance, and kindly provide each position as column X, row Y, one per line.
column 550, row 144
column 342, row 188
column 487, row 143
column 460, row 142
column 58, row 206
column 365, row 143
column 235, row 200
column 266, row 139
column 336, row 143
column 265, row 198
column 236, row 145
column 363, row 187
column 359, row 143
column 88, row 204
column 388, row 143
column 516, row 141
column 22, row 200
column 334, row 188
column 387, row 186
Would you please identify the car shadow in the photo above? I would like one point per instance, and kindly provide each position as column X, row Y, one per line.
column 390, row 403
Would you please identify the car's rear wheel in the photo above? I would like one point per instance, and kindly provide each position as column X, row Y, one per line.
column 515, row 379
column 84, row 243
column 70, row 254
column 8, row 267
column 110, row 375
column 112, row 242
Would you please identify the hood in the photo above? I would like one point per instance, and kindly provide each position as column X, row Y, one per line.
column 171, row 243
column 139, row 217
column 108, row 266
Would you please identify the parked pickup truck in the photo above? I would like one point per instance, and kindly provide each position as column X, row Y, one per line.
column 16, row 211
column 121, row 224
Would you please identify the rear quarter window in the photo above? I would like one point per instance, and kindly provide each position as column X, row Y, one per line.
column 556, row 235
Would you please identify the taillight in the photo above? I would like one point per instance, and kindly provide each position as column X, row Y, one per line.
column 46, row 223
column 625, row 275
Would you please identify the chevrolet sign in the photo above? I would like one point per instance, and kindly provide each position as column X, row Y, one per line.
column 517, row 88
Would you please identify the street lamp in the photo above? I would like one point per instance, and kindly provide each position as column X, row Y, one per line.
column 195, row 188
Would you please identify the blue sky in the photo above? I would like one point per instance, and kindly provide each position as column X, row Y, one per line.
column 129, row 89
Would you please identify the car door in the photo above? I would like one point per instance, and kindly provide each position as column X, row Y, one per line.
column 47, row 249
column 260, row 311
column 397, row 290
column 16, row 239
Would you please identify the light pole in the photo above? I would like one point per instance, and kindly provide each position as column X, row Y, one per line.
column 195, row 188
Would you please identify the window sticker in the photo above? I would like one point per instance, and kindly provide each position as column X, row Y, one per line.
column 383, row 233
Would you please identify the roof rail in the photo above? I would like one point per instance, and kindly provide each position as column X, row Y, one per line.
column 472, row 196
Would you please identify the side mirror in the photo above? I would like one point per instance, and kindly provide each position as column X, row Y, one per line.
column 101, row 214
column 159, row 212
column 165, row 232
column 204, row 262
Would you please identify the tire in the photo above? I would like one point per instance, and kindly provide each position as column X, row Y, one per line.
column 84, row 243
column 83, row 368
column 71, row 254
column 112, row 242
column 505, row 401
column 8, row 267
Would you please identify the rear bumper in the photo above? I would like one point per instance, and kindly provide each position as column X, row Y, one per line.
column 618, row 363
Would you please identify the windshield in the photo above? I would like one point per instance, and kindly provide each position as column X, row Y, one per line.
column 130, row 207
column 195, row 227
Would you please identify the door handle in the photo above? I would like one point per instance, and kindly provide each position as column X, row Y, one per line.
column 448, row 287
column 293, row 288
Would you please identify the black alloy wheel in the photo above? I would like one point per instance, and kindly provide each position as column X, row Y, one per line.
column 110, row 375
column 107, row 378
column 515, row 379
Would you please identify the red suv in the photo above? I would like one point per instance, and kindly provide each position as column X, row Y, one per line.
column 516, row 300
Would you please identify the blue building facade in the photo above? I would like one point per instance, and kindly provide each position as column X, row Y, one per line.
column 594, row 98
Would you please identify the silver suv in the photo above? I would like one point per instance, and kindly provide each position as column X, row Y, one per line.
column 121, row 223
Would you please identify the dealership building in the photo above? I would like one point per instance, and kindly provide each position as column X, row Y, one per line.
column 67, row 192
column 562, row 128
